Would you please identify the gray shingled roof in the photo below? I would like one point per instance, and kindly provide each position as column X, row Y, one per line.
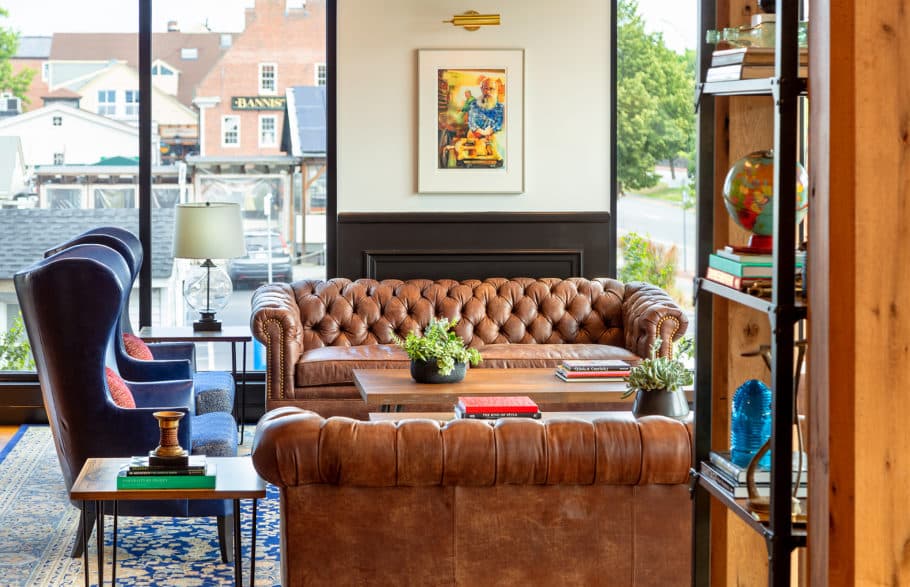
column 33, row 48
column 25, row 234
column 309, row 115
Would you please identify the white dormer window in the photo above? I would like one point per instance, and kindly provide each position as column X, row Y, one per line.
column 268, row 78
column 159, row 68
column 189, row 54
column 226, row 40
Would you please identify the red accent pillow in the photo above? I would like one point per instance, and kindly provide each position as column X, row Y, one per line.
column 136, row 347
column 120, row 392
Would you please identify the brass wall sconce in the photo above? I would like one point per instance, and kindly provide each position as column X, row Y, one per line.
column 472, row 20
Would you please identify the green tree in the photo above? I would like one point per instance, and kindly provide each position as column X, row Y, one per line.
column 15, row 83
column 654, row 93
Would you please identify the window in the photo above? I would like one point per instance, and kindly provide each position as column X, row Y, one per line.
column 115, row 197
column 107, row 102
column 230, row 131
column 161, row 69
column 58, row 159
column 58, row 121
column 45, row 71
column 267, row 131
column 321, row 74
column 64, row 198
column 131, row 97
column 226, row 40
column 268, row 78
column 189, row 54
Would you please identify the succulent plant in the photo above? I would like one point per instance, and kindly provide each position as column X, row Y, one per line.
column 657, row 373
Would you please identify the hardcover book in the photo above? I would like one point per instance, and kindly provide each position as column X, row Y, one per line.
column 496, row 405
column 740, row 490
column 459, row 413
column 140, row 464
column 615, row 378
column 724, row 278
column 206, row 481
column 586, row 374
column 738, row 71
column 595, row 365
column 721, row 460
column 751, row 56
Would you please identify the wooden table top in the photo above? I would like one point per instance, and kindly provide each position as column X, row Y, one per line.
column 187, row 334
column 235, row 478
column 395, row 386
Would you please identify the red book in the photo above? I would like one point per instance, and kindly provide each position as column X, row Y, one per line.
column 583, row 374
column 497, row 404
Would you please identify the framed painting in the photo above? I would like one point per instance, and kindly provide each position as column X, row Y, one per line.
column 470, row 121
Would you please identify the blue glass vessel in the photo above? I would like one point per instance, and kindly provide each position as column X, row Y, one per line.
column 750, row 425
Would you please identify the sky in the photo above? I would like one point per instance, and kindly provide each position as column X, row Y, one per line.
column 676, row 20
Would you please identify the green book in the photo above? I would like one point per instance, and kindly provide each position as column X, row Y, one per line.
column 759, row 270
column 206, row 481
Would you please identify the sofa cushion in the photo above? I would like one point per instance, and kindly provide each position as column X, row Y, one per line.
column 334, row 365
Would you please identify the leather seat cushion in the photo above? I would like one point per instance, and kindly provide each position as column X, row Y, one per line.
column 334, row 365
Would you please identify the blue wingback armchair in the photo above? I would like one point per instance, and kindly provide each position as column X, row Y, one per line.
column 71, row 305
column 214, row 390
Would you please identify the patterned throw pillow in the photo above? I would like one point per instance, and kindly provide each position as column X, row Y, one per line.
column 120, row 392
column 136, row 347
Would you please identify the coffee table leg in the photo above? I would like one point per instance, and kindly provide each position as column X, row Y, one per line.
column 114, row 547
column 99, row 539
column 253, row 545
column 85, row 569
column 238, row 562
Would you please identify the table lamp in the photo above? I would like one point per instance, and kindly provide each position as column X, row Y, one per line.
column 208, row 230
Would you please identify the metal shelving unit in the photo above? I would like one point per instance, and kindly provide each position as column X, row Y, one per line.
column 783, row 310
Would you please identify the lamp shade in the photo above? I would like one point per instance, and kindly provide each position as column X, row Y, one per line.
column 208, row 230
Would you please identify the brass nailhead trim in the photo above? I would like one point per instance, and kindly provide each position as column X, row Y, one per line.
column 672, row 334
column 264, row 329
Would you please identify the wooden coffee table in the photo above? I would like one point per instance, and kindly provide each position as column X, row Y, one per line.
column 236, row 479
column 392, row 389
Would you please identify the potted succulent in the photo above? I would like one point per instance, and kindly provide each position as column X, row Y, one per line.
column 439, row 356
column 659, row 381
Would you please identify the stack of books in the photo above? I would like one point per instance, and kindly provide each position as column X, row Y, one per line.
column 139, row 474
column 740, row 270
column 748, row 63
column 593, row 370
column 489, row 408
column 732, row 478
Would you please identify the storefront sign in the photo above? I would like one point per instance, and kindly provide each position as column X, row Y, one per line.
column 257, row 102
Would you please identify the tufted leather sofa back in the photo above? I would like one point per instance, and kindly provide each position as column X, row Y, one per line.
column 341, row 312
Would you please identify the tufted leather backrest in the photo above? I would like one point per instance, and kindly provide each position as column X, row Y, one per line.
column 341, row 312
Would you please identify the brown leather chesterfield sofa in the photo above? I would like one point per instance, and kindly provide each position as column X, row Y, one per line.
column 518, row 502
column 317, row 332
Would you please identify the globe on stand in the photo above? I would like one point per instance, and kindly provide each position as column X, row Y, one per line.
column 749, row 196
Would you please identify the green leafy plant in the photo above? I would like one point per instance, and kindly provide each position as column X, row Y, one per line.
column 15, row 352
column 438, row 343
column 661, row 373
column 643, row 260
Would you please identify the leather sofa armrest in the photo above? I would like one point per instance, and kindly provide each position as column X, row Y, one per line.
column 286, row 446
column 276, row 324
column 648, row 312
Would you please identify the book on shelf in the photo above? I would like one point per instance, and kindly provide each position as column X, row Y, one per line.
column 751, row 56
column 140, row 466
column 722, row 461
column 739, row 71
column 206, row 481
column 488, row 405
column 595, row 365
column 746, row 267
column 747, row 256
column 732, row 281
column 741, row 490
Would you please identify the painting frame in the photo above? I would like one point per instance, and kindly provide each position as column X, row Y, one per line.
column 438, row 169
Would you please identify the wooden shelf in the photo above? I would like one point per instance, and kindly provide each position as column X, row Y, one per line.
column 760, row 304
column 738, row 507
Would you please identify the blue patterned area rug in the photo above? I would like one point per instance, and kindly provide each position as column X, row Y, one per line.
column 38, row 525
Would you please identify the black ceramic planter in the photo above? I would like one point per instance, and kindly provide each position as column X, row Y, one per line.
column 427, row 372
column 672, row 404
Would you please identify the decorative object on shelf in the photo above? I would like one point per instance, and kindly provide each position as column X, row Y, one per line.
column 750, row 424
column 470, row 121
column 473, row 20
column 439, row 356
column 761, row 35
column 658, row 383
column 208, row 230
column 168, row 452
column 749, row 196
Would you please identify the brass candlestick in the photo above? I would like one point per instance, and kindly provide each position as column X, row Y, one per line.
column 169, row 450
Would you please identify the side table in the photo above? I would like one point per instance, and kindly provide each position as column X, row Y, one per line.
column 236, row 479
column 231, row 334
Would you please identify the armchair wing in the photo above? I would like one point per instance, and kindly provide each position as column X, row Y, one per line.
column 276, row 324
column 649, row 313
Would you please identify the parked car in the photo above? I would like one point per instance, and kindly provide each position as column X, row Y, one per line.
column 253, row 268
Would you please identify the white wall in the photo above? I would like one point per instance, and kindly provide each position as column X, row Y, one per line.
column 567, row 119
